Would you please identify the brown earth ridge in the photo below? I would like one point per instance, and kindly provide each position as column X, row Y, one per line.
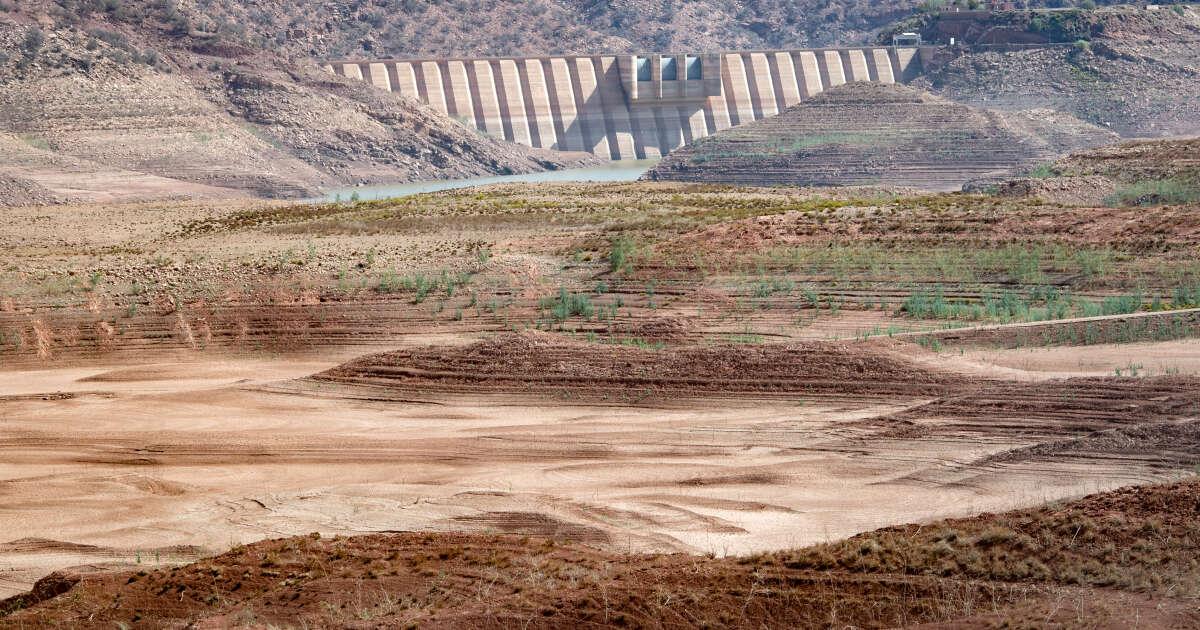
column 870, row 133
column 1114, row 556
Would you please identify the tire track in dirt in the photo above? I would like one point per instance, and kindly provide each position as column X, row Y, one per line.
column 532, row 363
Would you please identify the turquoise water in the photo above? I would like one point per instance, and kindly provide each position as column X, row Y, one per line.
column 620, row 171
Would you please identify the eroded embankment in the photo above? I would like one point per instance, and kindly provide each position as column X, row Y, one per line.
column 535, row 363
column 1149, row 420
column 1121, row 559
column 1155, row 421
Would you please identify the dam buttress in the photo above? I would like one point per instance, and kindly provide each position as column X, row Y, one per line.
column 626, row 106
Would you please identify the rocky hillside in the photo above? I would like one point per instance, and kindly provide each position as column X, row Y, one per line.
column 337, row 28
column 870, row 133
column 1136, row 71
column 1125, row 76
column 125, row 99
column 132, row 102
column 504, row 27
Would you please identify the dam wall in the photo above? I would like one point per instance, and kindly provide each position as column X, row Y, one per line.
column 628, row 106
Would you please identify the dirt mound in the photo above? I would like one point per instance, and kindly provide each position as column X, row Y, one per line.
column 656, row 329
column 46, row 588
column 529, row 363
column 870, row 133
column 1089, row 190
column 43, row 544
column 454, row 581
column 1082, row 542
column 535, row 524
column 1169, row 443
column 1153, row 326
column 22, row 192
column 1121, row 558
column 1080, row 409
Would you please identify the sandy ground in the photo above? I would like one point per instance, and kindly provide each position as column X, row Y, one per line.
column 164, row 462
column 116, row 186
column 152, row 410
column 1149, row 359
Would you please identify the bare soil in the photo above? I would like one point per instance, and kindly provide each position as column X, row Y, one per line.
column 536, row 363
column 1140, row 358
column 135, row 461
column 179, row 379
column 1106, row 561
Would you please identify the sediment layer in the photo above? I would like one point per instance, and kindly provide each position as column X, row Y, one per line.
column 879, row 134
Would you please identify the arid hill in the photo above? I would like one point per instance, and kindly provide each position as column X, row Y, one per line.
column 867, row 133
column 124, row 104
column 1133, row 70
column 429, row 27
column 130, row 99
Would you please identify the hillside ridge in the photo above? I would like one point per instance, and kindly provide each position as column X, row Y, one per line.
column 871, row 133
column 103, row 105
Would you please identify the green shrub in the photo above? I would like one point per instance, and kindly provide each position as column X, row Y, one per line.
column 1121, row 304
column 389, row 282
column 768, row 287
column 421, row 285
column 1151, row 192
column 34, row 38
column 1043, row 171
column 931, row 6
column 567, row 304
column 1186, row 296
column 1062, row 26
column 621, row 256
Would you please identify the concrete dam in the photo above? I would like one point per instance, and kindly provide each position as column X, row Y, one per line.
column 629, row 106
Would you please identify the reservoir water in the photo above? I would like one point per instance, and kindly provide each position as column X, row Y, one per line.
column 619, row 171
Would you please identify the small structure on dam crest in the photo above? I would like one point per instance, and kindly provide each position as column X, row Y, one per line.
column 628, row 106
